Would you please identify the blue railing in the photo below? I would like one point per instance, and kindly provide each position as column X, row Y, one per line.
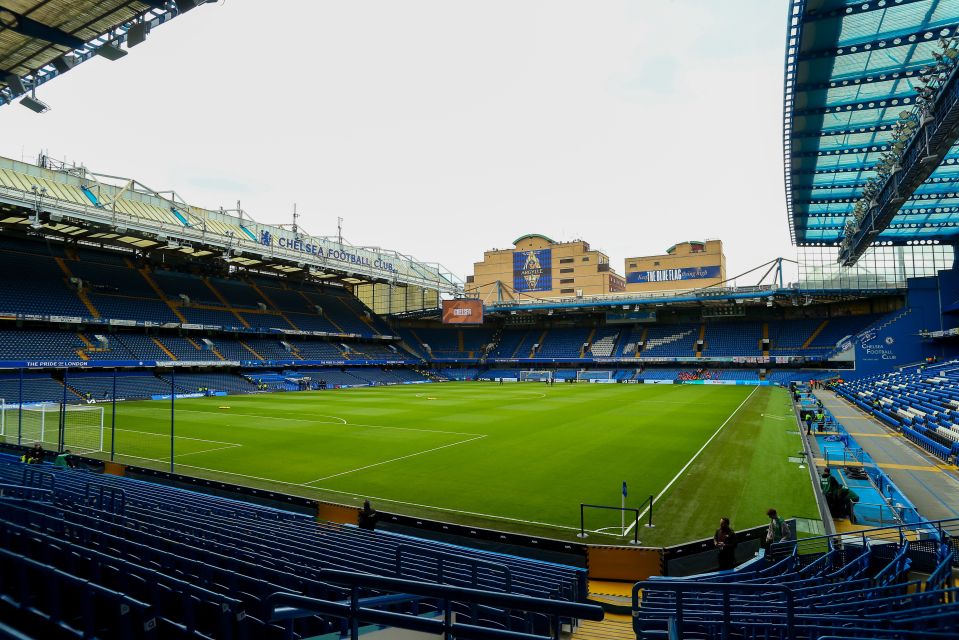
column 773, row 615
column 284, row 608
column 445, row 560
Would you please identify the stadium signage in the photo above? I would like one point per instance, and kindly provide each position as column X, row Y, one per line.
column 533, row 270
column 328, row 252
column 671, row 275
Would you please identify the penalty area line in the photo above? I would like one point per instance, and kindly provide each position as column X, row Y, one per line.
column 691, row 460
column 167, row 436
column 377, row 464
column 375, row 498
column 342, row 421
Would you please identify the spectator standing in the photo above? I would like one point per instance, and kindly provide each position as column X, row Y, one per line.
column 725, row 541
column 778, row 529
column 368, row 516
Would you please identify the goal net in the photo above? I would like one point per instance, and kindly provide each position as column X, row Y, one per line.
column 535, row 376
column 82, row 426
column 583, row 375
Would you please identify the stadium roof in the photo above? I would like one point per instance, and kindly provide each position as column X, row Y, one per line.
column 855, row 77
column 55, row 199
column 41, row 39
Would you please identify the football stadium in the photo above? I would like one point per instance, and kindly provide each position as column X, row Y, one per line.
column 216, row 425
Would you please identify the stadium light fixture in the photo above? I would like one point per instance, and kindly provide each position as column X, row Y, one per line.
column 137, row 34
column 15, row 84
column 37, row 106
column 110, row 52
column 63, row 64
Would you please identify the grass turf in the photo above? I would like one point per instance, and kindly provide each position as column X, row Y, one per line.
column 518, row 457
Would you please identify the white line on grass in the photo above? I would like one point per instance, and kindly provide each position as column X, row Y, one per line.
column 411, row 455
column 167, row 435
column 256, row 415
column 193, row 453
column 375, row 498
column 342, row 422
column 691, row 460
column 178, row 455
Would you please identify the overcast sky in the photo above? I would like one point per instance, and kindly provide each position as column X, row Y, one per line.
column 442, row 128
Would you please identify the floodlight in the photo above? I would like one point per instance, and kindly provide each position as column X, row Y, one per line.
column 63, row 64
column 137, row 34
column 15, row 83
column 110, row 52
column 34, row 105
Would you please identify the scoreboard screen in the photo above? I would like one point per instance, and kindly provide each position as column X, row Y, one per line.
column 462, row 312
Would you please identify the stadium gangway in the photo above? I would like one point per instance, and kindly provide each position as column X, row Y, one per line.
column 940, row 530
column 286, row 607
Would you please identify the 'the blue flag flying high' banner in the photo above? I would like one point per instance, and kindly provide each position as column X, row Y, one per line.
column 624, row 488
column 669, row 275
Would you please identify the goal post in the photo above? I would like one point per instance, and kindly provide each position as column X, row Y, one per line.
column 82, row 426
column 536, row 376
column 584, row 375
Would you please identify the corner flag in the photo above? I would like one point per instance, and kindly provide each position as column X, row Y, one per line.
column 622, row 512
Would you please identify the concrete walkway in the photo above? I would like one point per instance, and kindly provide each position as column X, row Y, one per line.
column 929, row 483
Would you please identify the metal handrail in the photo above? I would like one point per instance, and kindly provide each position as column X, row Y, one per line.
column 678, row 588
column 442, row 559
column 288, row 606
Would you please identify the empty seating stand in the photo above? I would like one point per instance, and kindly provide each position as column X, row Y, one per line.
column 120, row 558
column 922, row 402
column 843, row 586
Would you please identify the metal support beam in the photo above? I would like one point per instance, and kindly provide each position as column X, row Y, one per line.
column 846, row 131
column 855, row 9
column 32, row 29
column 930, row 144
column 912, row 38
column 872, row 148
column 894, row 101
column 910, row 71
column 821, row 172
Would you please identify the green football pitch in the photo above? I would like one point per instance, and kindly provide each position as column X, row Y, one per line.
column 514, row 457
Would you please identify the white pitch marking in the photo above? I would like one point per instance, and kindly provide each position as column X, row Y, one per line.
column 691, row 460
column 380, row 498
column 193, row 453
column 412, row 455
column 343, row 422
column 255, row 415
column 166, row 435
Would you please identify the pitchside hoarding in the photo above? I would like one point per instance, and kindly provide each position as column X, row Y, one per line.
column 462, row 312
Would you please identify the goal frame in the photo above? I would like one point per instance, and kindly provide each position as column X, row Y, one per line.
column 524, row 376
column 581, row 378
column 48, row 427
